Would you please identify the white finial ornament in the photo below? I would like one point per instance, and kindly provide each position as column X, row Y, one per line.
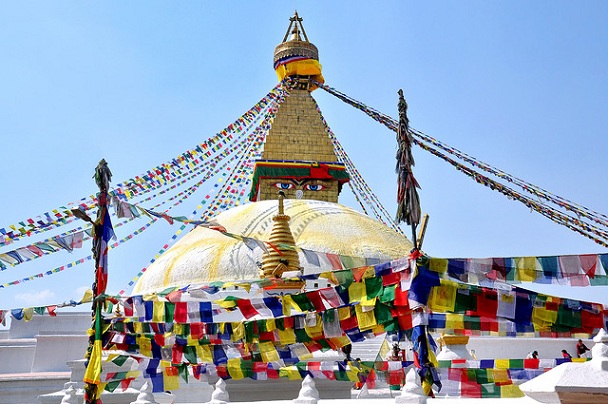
column 599, row 352
column 411, row 393
column 145, row 395
column 308, row 392
column 219, row 395
column 70, row 396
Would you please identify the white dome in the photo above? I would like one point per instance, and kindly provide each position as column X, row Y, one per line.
column 205, row 255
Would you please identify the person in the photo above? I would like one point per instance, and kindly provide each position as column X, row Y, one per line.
column 361, row 376
column 581, row 348
column 396, row 351
column 565, row 354
column 532, row 355
column 347, row 349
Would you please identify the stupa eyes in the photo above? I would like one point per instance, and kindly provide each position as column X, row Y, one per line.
column 313, row 187
column 284, row 185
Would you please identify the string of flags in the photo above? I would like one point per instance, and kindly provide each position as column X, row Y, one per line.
column 152, row 179
column 538, row 200
column 476, row 380
column 361, row 189
column 230, row 195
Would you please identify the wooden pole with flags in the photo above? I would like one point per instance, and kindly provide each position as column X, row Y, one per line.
column 408, row 201
column 102, row 234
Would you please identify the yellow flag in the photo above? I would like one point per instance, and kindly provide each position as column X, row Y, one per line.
column 526, row 269
column 28, row 313
column 238, row 331
column 501, row 364
column 234, row 368
column 510, row 391
column 145, row 346
column 438, row 265
column 170, row 379
column 287, row 337
column 443, row 297
column 356, row 292
column 88, row 296
column 93, row 373
column 454, row 321
column 290, row 372
column 158, row 315
column 366, row 319
column 268, row 352
column 204, row 353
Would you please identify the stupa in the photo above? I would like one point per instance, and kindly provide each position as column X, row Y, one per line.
column 293, row 209
column 298, row 160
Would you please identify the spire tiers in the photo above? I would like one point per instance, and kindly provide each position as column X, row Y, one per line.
column 297, row 57
column 299, row 156
column 280, row 258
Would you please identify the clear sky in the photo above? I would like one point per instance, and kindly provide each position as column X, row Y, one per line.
column 520, row 85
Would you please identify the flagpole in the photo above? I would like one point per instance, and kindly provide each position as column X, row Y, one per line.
column 102, row 232
column 408, row 201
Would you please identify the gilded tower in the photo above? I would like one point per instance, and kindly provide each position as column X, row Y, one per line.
column 298, row 156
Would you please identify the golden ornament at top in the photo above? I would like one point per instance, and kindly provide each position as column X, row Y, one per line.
column 297, row 57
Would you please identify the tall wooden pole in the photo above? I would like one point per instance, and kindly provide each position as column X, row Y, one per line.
column 102, row 233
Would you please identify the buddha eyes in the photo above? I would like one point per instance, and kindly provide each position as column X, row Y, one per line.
column 284, row 185
column 313, row 187
column 306, row 187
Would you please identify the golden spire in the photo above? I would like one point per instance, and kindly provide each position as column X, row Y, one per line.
column 297, row 57
column 279, row 257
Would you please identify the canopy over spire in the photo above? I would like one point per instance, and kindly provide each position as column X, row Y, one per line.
column 296, row 56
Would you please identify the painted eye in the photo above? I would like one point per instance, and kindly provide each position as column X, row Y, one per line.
column 284, row 185
column 313, row 187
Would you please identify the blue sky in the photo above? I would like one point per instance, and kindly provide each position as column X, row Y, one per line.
column 520, row 85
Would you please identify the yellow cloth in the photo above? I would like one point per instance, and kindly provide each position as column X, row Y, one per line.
column 510, row 391
column 170, row 379
column 268, row 352
column 93, row 373
column 158, row 314
column 307, row 67
column 443, row 297
column 356, row 292
column 366, row 319
column 287, row 337
column 87, row 297
column 271, row 325
column 234, row 368
column 543, row 318
column 339, row 342
column 316, row 331
column 288, row 303
column 526, row 269
column 344, row 313
column 501, row 375
column 145, row 346
column 353, row 374
column 438, row 265
column 291, row 372
column 238, row 331
column 501, row 364
column 204, row 353
column 454, row 321
column 28, row 313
